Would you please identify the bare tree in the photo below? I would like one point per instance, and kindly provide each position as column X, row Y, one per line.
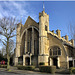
column 72, row 30
column 11, row 47
column 3, row 50
column 7, row 29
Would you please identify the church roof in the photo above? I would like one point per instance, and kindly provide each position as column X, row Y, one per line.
column 67, row 44
column 30, row 21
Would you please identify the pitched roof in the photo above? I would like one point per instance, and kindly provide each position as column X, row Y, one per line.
column 30, row 21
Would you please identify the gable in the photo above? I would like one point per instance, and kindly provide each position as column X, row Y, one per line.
column 31, row 22
column 54, row 41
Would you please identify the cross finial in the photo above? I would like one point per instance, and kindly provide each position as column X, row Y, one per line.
column 43, row 6
column 21, row 19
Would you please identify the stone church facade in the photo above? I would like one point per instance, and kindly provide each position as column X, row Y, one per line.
column 36, row 44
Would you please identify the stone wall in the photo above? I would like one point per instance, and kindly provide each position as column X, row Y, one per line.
column 64, row 64
column 53, row 41
column 34, row 60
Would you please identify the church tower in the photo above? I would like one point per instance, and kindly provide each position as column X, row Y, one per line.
column 43, row 29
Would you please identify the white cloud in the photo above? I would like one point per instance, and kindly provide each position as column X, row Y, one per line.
column 16, row 9
column 11, row 8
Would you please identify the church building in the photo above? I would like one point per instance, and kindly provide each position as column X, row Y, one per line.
column 35, row 44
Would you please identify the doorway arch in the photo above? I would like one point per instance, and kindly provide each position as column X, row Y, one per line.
column 27, row 61
column 54, row 56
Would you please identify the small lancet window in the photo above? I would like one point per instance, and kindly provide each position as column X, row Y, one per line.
column 59, row 52
column 45, row 28
column 50, row 52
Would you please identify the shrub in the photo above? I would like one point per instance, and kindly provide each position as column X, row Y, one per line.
column 26, row 67
column 32, row 63
column 49, row 69
column 72, row 70
column 41, row 63
column 53, row 69
column 3, row 66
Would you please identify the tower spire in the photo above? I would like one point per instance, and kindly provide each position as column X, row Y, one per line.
column 43, row 6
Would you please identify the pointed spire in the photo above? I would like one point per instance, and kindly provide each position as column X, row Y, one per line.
column 43, row 6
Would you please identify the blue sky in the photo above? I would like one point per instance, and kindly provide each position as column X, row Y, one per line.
column 61, row 13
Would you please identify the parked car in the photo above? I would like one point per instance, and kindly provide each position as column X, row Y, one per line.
column 2, row 62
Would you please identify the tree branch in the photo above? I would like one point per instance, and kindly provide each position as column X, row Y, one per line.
column 12, row 36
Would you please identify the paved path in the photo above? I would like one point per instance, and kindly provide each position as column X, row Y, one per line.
column 12, row 73
column 23, row 72
column 14, row 70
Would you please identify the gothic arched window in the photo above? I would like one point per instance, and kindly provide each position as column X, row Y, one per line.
column 55, row 51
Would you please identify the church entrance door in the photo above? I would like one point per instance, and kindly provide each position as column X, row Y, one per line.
column 27, row 61
column 55, row 62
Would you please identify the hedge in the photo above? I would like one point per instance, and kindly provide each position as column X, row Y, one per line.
column 49, row 69
column 26, row 67
column 72, row 70
column 3, row 66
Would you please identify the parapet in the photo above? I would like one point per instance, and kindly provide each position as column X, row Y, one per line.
column 43, row 14
column 66, row 37
column 72, row 41
column 58, row 32
column 53, row 31
column 63, row 37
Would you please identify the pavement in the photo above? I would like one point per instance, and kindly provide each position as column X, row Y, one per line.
column 15, row 71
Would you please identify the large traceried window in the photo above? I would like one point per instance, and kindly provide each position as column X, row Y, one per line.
column 28, row 46
column 55, row 51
